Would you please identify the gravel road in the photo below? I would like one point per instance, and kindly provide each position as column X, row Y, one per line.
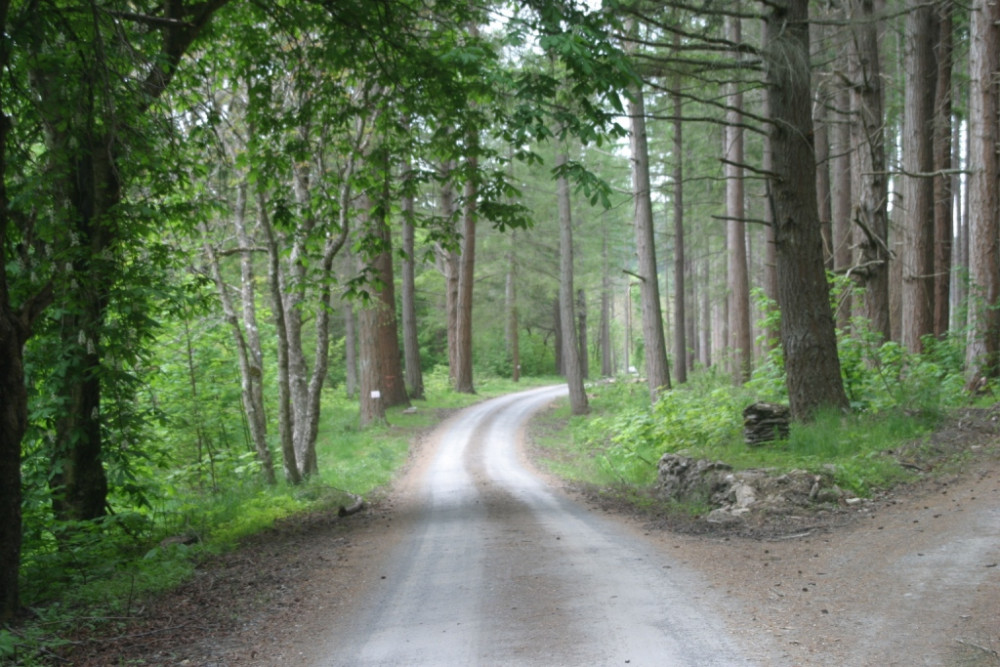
column 490, row 567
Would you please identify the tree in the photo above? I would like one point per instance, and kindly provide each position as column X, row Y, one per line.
column 983, row 346
column 411, row 344
column 812, row 367
column 680, row 266
column 918, row 162
column 570, row 347
column 870, row 181
column 943, row 200
column 739, row 287
column 657, row 370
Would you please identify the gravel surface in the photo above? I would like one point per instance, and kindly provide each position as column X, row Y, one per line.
column 551, row 578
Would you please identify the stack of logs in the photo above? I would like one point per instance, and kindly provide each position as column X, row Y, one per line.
column 764, row 422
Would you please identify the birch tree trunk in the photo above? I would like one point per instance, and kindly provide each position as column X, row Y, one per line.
column 248, row 351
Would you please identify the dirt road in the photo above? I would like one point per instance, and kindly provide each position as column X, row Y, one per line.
column 474, row 560
column 491, row 567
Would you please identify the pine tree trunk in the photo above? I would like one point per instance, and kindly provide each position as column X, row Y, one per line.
column 371, row 407
column 705, row 315
column 393, row 384
column 466, row 277
column 657, row 370
column 680, row 315
column 842, row 195
column 581, row 316
column 607, row 362
column 983, row 348
column 741, row 341
column 807, row 328
column 411, row 343
column 943, row 200
column 918, row 192
column 570, row 343
column 870, row 180
column 511, row 328
column 350, row 350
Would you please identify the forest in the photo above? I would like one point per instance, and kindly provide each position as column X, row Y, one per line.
column 237, row 234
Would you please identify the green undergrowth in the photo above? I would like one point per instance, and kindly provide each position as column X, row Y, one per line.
column 97, row 575
column 896, row 398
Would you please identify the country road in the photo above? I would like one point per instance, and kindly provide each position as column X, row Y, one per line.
column 491, row 567
column 470, row 559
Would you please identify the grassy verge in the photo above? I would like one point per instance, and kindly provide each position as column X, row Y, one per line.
column 617, row 446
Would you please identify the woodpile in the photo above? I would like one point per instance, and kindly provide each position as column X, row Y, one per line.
column 764, row 422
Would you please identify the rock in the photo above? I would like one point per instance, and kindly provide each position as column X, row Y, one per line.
column 764, row 422
column 410, row 411
column 723, row 515
column 686, row 479
column 733, row 494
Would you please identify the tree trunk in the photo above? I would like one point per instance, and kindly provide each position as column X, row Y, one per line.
column 92, row 187
column 981, row 354
column 448, row 264
column 292, row 282
column 557, row 330
column 393, row 385
column 943, row 200
column 918, row 192
column 680, row 316
column 411, row 343
column 350, row 350
column 607, row 367
column 825, row 97
column 770, row 249
column 581, row 316
column 657, row 370
column 511, row 331
column 466, row 277
column 841, row 195
column 372, row 409
column 285, row 417
column 741, row 340
column 807, row 330
column 705, row 330
column 870, row 181
column 247, row 355
column 570, row 343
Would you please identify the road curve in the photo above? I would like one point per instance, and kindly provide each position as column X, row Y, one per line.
column 494, row 568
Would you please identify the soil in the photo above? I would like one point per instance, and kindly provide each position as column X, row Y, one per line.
column 909, row 577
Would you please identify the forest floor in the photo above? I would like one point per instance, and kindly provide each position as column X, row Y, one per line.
column 910, row 577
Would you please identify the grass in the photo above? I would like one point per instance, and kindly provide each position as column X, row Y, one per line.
column 620, row 443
